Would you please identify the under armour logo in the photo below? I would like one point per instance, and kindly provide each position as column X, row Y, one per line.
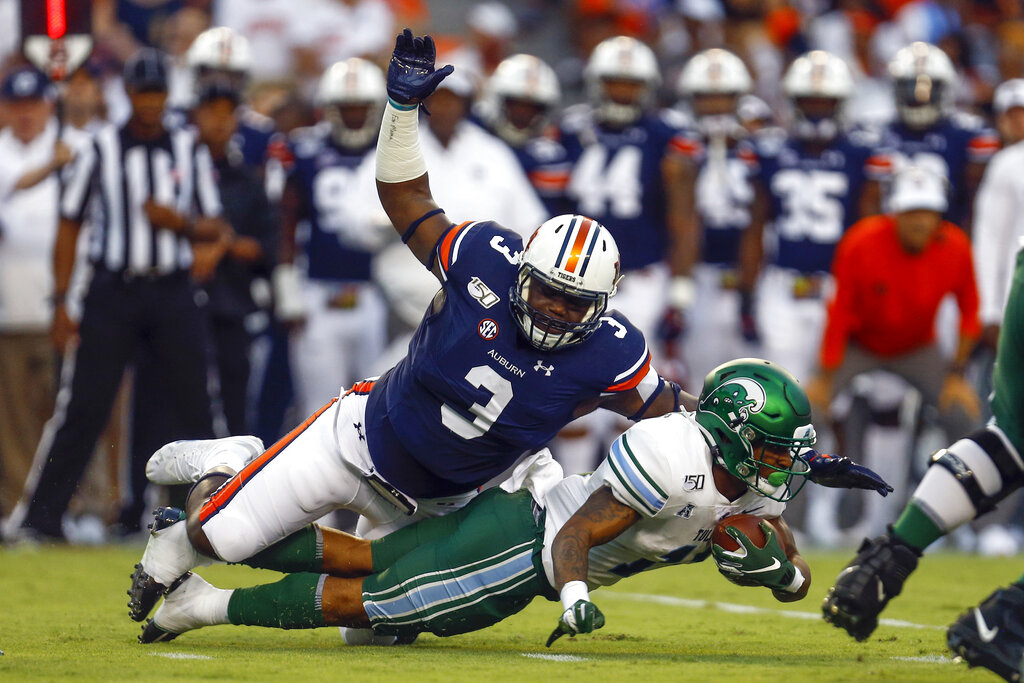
column 359, row 430
column 546, row 368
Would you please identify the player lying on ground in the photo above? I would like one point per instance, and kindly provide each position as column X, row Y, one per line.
column 516, row 344
column 962, row 483
column 653, row 502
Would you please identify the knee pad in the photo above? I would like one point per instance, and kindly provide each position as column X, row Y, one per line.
column 984, row 464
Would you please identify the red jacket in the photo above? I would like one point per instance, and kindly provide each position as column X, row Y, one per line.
column 886, row 299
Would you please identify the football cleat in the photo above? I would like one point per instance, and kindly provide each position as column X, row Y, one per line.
column 184, row 462
column 168, row 555
column 185, row 608
column 862, row 590
column 991, row 635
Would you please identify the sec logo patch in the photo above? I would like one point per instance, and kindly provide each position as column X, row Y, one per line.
column 487, row 329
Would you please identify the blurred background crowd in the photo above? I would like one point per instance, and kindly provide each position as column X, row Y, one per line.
column 728, row 144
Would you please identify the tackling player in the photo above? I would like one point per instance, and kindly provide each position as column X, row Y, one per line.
column 652, row 503
column 516, row 343
column 963, row 482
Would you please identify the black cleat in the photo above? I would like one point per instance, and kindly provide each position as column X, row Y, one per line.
column 991, row 635
column 869, row 582
column 151, row 633
column 145, row 591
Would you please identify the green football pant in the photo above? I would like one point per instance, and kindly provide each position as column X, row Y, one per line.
column 460, row 572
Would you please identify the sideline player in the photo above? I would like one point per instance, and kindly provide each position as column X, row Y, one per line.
column 516, row 343
column 344, row 324
column 962, row 483
column 652, row 503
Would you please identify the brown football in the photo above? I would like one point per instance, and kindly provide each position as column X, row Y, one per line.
column 748, row 524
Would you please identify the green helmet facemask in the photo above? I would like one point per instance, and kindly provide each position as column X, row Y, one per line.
column 751, row 406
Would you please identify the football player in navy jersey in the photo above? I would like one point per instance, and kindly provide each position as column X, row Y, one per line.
column 814, row 179
column 519, row 100
column 928, row 132
column 329, row 230
column 627, row 170
column 718, row 186
column 220, row 54
column 517, row 342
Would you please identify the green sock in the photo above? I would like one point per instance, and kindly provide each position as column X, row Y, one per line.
column 292, row 602
column 917, row 529
column 303, row 551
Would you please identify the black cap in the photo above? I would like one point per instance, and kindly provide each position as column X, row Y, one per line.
column 26, row 83
column 146, row 70
column 216, row 89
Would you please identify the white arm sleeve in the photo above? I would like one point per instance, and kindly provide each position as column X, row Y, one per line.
column 398, row 146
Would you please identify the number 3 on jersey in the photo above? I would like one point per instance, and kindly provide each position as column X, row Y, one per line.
column 481, row 377
column 614, row 187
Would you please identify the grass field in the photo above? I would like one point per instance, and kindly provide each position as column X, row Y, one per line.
column 63, row 616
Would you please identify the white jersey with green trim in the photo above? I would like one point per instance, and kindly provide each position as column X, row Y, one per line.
column 661, row 468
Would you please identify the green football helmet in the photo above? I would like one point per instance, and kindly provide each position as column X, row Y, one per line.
column 749, row 406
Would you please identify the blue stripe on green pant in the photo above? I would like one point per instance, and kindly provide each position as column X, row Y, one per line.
column 461, row 572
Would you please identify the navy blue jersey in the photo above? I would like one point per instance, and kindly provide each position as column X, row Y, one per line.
column 617, row 181
column 472, row 395
column 547, row 165
column 325, row 176
column 947, row 148
column 723, row 193
column 813, row 199
column 252, row 136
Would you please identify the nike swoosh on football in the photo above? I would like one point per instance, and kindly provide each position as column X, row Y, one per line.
column 774, row 565
column 986, row 633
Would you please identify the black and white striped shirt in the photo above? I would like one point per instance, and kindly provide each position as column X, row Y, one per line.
column 110, row 183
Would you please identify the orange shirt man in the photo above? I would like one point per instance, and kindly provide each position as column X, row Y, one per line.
column 891, row 273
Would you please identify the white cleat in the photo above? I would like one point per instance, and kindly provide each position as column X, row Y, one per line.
column 168, row 555
column 189, row 604
column 184, row 462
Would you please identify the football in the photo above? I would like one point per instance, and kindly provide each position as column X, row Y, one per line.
column 748, row 524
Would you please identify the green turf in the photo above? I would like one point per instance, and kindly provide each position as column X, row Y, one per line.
column 63, row 615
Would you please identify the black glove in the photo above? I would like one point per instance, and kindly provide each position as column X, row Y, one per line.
column 843, row 473
column 411, row 74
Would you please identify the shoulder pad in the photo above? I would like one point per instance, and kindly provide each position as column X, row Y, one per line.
column 545, row 150
column 576, row 117
column 254, row 119
column 673, row 118
column 863, row 136
column 966, row 121
column 307, row 141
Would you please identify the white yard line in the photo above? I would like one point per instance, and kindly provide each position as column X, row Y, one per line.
column 179, row 655
column 554, row 658
column 743, row 609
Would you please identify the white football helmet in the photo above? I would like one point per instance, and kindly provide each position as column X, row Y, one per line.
column 822, row 76
column 577, row 257
column 352, row 82
column 924, row 81
column 220, row 49
column 624, row 58
column 714, row 72
column 527, row 78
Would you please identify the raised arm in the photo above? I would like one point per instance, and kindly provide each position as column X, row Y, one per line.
column 401, row 171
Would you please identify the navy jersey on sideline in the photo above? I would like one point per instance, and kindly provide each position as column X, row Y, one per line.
column 472, row 395
column 947, row 148
column 812, row 199
column 324, row 175
column 546, row 163
column 617, row 181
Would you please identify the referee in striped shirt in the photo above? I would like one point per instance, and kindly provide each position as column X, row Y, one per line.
column 148, row 194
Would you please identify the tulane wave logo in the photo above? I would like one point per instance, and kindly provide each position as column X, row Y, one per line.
column 741, row 397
